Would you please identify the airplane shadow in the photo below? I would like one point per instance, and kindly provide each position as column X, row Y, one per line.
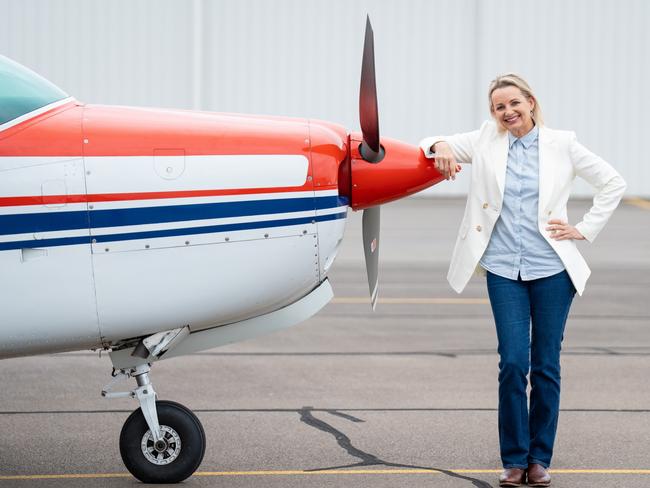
column 367, row 459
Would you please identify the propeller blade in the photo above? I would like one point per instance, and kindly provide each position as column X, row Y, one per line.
column 368, row 112
column 370, row 229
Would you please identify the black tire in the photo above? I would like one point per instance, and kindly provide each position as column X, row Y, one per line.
column 189, row 455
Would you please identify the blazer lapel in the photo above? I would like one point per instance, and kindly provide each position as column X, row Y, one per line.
column 545, row 168
column 500, row 158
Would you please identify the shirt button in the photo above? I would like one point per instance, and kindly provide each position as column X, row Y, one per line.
column 485, row 205
column 550, row 212
column 478, row 228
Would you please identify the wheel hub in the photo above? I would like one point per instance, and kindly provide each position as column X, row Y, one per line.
column 164, row 451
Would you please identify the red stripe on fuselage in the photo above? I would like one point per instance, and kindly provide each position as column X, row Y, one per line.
column 156, row 195
column 76, row 131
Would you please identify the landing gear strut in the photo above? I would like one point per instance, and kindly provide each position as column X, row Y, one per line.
column 162, row 441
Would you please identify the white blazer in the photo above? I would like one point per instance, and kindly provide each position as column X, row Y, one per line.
column 561, row 158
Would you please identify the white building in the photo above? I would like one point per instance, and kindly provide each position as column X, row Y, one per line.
column 587, row 60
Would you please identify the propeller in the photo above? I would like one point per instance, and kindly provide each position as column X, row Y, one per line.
column 370, row 226
column 372, row 152
column 370, row 148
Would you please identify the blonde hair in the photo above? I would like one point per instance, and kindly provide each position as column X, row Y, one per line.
column 512, row 79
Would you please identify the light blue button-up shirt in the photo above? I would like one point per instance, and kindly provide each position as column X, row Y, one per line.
column 516, row 247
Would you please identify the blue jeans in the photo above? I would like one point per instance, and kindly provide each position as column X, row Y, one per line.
column 527, row 436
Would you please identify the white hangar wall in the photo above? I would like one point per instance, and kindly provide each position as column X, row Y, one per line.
column 586, row 59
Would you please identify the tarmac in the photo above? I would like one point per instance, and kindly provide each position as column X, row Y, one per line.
column 403, row 396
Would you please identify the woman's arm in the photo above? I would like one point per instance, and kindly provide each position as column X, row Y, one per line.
column 462, row 145
column 448, row 151
column 605, row 178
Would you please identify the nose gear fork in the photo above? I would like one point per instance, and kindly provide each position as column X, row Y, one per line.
column 144, row 393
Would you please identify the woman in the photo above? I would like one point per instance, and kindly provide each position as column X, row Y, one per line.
column 516, row 229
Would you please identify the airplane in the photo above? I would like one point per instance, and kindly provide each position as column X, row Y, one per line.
column 153, row 233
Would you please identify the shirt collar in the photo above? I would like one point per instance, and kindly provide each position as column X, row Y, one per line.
column 526, row 140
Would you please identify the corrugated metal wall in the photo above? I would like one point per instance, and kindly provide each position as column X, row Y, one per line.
column 586, row 59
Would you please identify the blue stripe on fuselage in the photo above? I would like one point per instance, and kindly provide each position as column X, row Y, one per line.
column 69, row 241
column 73, row 220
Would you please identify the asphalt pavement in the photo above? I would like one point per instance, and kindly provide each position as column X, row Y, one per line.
column 403, row 396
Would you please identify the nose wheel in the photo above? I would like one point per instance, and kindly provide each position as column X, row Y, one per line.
column 162, row 441
column 170, row 459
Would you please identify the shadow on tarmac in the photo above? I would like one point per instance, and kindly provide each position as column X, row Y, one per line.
column 367, row 459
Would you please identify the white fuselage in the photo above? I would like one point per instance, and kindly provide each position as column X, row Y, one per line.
column 102, row 271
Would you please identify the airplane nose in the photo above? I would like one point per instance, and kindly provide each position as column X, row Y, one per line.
column 403, row 171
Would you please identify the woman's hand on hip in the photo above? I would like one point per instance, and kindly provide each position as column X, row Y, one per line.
column 445, row 162
column 561, row 231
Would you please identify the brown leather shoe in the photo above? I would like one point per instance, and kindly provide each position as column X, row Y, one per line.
column 538, row 476
column 512, row 477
